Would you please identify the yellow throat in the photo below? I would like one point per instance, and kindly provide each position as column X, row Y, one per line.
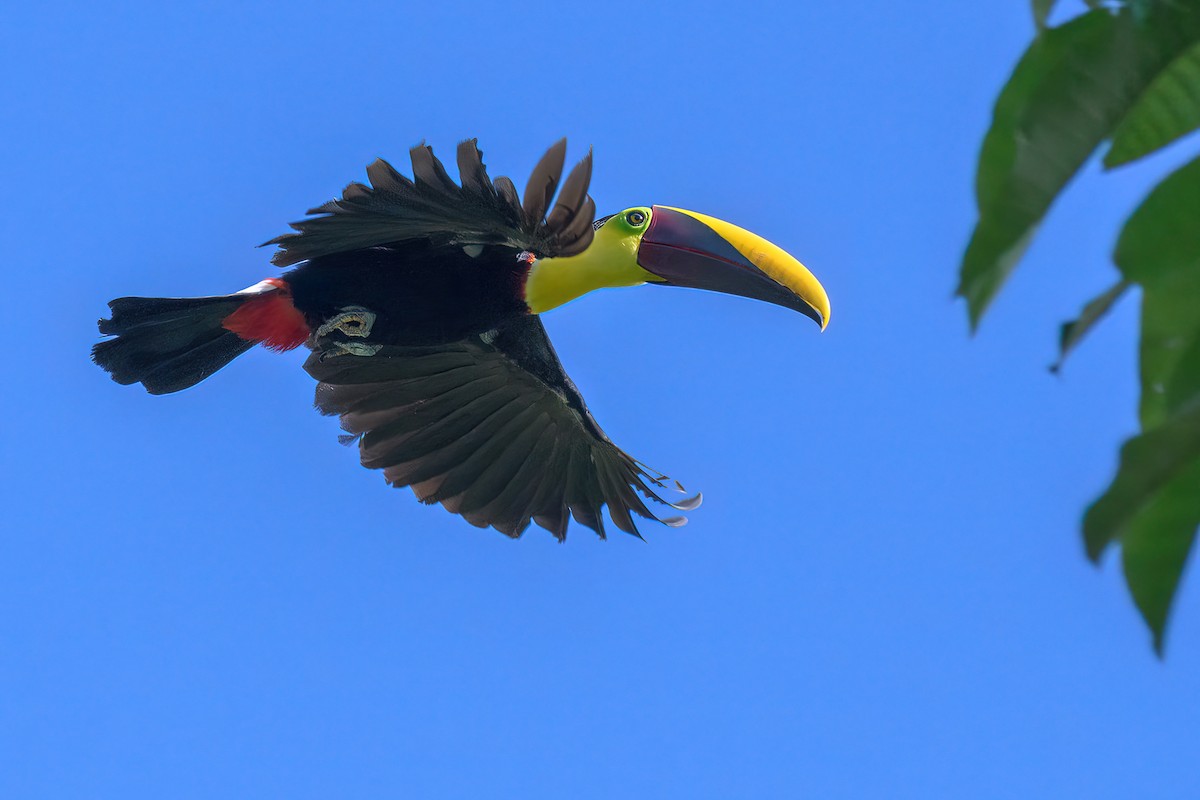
column 609, row 262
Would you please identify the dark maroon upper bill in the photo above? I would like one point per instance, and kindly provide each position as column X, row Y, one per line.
column 683, row 251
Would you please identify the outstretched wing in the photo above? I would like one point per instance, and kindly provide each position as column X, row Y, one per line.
column 490, row 427
column 432, row 206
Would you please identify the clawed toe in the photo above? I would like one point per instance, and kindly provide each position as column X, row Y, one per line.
column 353, row 321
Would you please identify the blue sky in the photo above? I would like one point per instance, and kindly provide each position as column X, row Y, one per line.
column 884, row 594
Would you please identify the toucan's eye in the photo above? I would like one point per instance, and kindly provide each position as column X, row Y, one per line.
column 635, row 218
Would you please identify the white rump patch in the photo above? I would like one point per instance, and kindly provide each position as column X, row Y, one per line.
column 260, row 288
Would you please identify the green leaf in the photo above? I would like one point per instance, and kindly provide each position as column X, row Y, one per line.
column 1068, row 92
column 1170, row 331
column 1041, row 10
column 1142, row 9
column 1149, row 464
column 1162, row 236
column 1183, row 384
column 1114, row 72
column 1167, row 110
column 1159, row 247
column 1071, row 86
column 1153, row 508
column 1072, row 332
column 1153, row 505
column 1155, row 548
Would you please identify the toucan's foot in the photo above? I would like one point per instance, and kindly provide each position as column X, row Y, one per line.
column 354, row 321
column 332, row 349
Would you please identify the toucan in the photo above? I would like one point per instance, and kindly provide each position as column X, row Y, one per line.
column 420, row 299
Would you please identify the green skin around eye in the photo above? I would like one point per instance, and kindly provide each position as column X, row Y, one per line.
column 625, row 223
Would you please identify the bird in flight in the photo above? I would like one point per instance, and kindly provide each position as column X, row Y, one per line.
column 420, row 301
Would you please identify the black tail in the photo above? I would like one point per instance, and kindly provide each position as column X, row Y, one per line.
column 169, row 343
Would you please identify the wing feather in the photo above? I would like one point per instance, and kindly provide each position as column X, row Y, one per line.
column 472, row 173
column 493, row 430
column 548, row 509
column 512, row 507
column 577, row 235
column 428, row 172
column 543, row 182
column 460, row 432
column 507, row 192
column 385, row 178
column 502, row 473
column 431, row 206
column 473, row 469
column 583, row 494
column 573, row 193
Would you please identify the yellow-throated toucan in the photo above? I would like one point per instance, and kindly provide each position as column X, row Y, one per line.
column 420, row 300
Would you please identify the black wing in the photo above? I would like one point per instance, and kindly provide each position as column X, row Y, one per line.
column 432, row 206
column 490, row 427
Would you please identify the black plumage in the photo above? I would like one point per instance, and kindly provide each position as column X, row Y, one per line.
column 492, row 428
column 433, row 208
column 168, row 343
column 421, row 293
column 460, row 394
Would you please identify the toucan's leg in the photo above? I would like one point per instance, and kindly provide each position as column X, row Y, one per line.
column 353, row 321
column 349, row 349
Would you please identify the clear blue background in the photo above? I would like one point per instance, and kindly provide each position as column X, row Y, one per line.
column 884, row 595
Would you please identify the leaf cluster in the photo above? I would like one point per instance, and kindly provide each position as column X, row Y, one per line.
column 1126, row 74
